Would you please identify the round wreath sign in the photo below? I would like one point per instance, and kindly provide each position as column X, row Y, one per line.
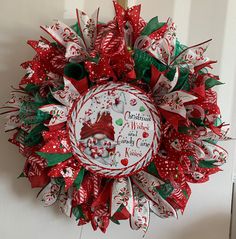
column 116, row 119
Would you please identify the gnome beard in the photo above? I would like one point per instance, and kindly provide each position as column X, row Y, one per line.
column 97, row 139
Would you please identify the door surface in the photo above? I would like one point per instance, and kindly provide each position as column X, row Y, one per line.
column 208, row 213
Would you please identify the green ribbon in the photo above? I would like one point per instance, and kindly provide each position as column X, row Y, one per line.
column 152, row 26
column 183, row 83
column 76, row 28
column 39, row 100
column 41, row 116
column 114, row 221
column 218, row 121
column 165, row 190
column 79, row 178
column 75, row 71
column 179, row 47
column 35, row 136
column 78, row 212
column 197, row 121
column 30, row 113
column 143, row 62
column 32, row 88
column 207, row 164
column 211, row 82
column 184, row 129
column 185, row 193
column 22, row 175
column 153, row 170
column 54, row 159
column 28, row 109
column 60, row 181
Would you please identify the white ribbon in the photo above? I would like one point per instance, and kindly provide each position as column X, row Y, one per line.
column 122, row 194
column 148, row 184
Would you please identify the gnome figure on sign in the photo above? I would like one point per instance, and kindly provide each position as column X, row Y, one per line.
column 97, row 139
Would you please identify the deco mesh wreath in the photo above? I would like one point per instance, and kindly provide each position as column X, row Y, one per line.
column 115, row 120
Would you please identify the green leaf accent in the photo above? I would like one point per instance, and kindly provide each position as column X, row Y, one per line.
column 78, row 212
column 142, row 109
column 79, row 178
column 152, row 26
column 211, row 82
column 206, row 164
column 54, row 159
column 153, row 170
column 35, row 135
column 119, row 122
column 165, row 190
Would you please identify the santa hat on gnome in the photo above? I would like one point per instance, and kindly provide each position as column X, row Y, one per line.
column 102, row 127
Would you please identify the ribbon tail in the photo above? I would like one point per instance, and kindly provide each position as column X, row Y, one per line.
column 174, row 102
column 88, row 27
column 122, row 203
column 149, row 184
column 58, row 112
column 63, row 34
column 141, row 216
column 76, row 52
column 49, row 194
column 67, row 95
column 65, row 202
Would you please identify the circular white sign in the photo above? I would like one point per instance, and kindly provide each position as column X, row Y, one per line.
column 114, row 130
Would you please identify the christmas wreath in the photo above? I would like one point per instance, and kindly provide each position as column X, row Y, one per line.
column 116, row 119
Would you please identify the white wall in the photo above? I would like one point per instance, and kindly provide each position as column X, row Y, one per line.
column 21, row 216
column 207, row 215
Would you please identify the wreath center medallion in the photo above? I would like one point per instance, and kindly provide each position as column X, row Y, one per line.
column 114, row 130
